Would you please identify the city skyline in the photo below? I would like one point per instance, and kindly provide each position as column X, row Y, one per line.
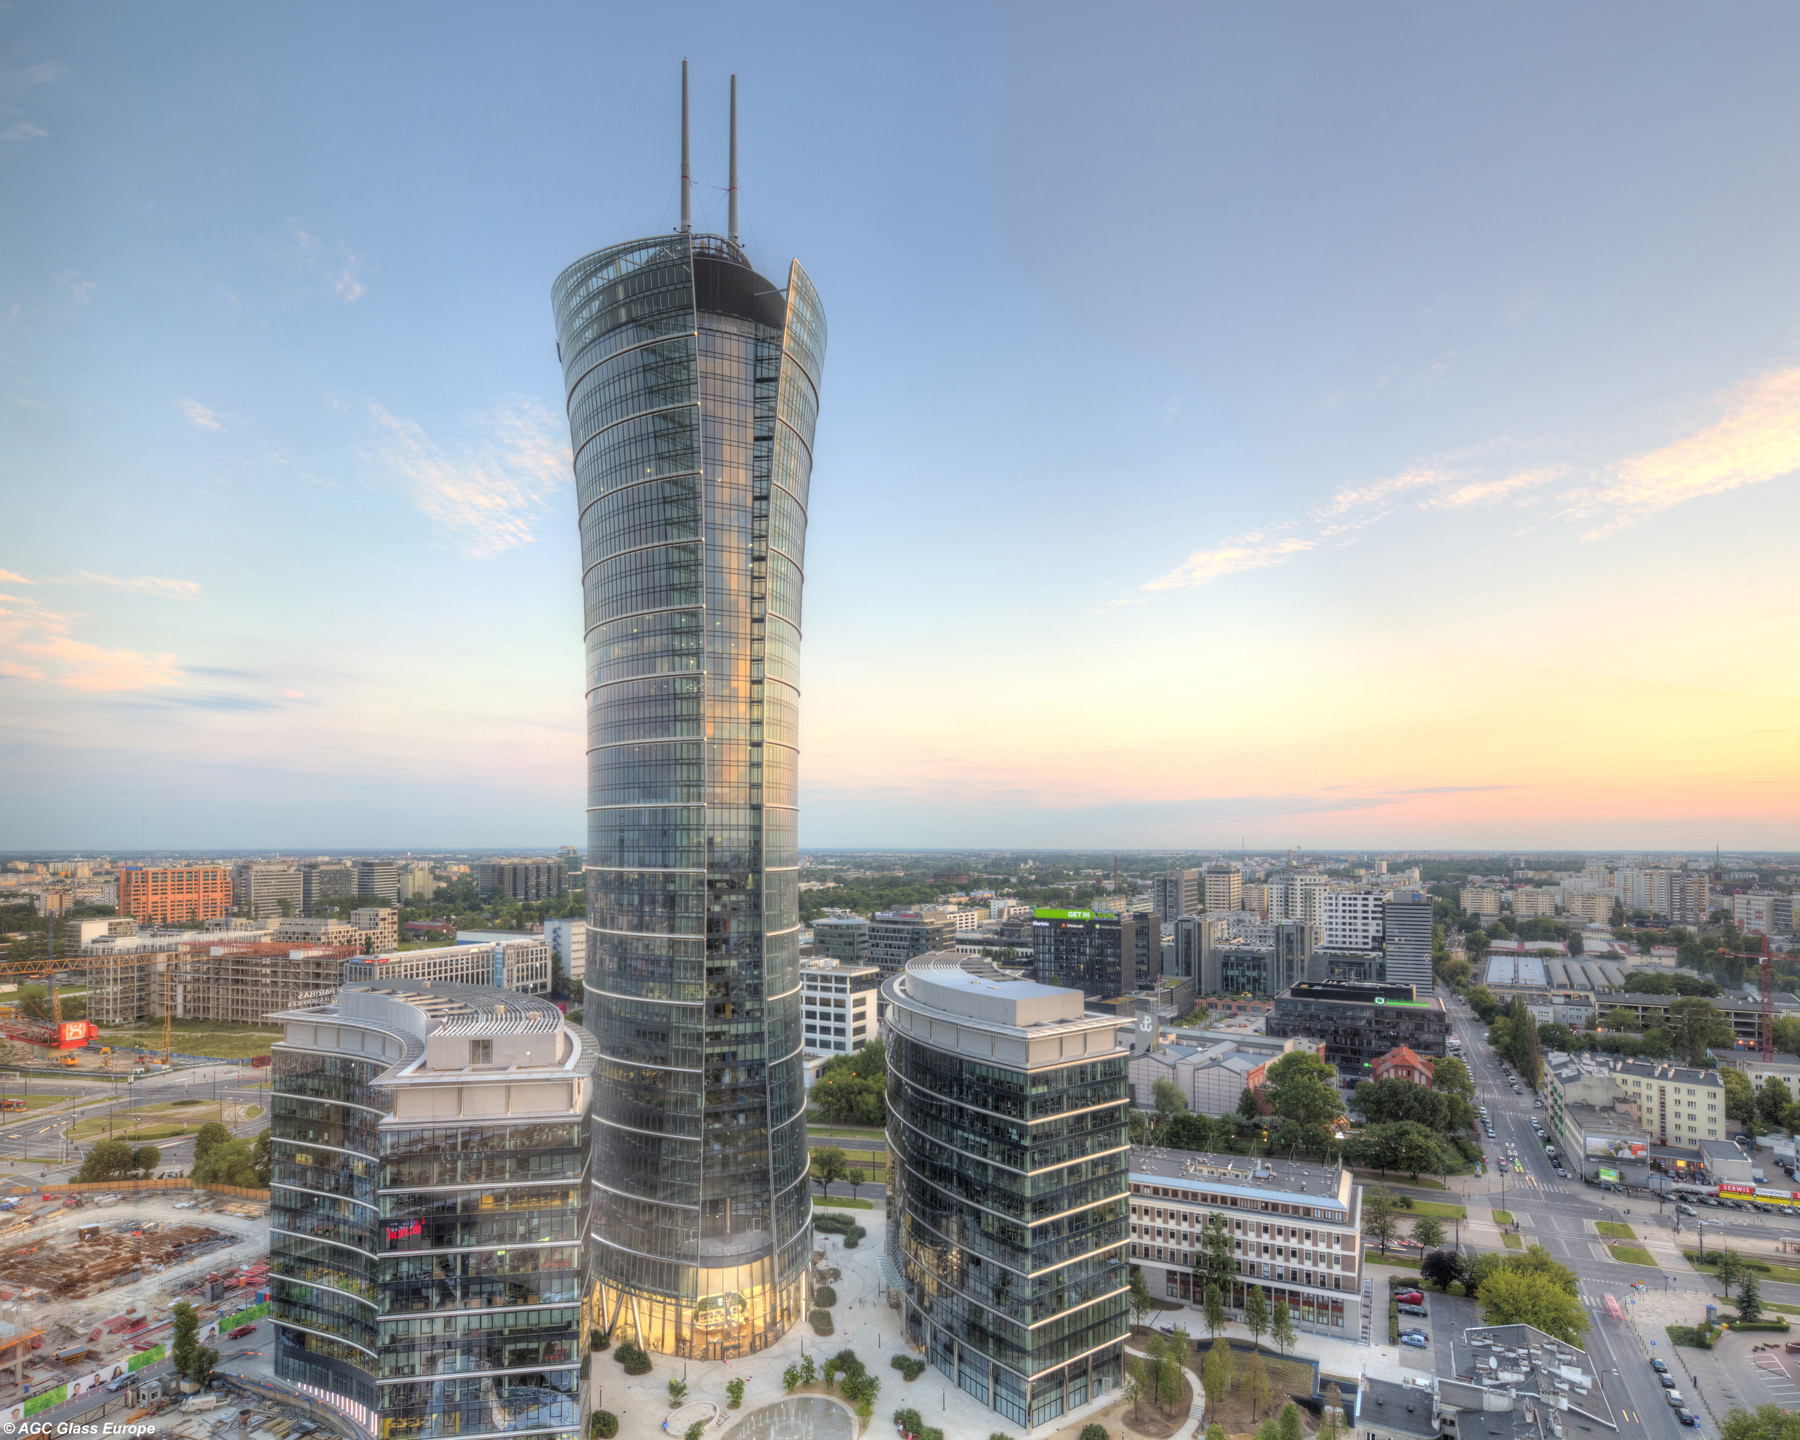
column 1434, row 450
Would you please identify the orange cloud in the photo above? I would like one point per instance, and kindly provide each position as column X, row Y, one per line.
column 1251, row 552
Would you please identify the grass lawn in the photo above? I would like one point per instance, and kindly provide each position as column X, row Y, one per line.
column 1513, row 1242
column 1613, row 1230
column 847, row 1132
column 1438, row 1210
column 38, row 1102
column 170, row 1119
column 840, row 1202
column 1632, row 1254
column 218, row 1038
column 1423, row 1182
column 1503, row 1217
column 1683, row 1335
column 1373, row 1257
column 1789, row 1274
column 252, row 1111
column 1782, row 1309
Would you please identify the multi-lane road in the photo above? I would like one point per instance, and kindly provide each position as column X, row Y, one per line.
column 1560, row 1213
column 37, row 1141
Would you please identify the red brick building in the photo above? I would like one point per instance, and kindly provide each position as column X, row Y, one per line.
column 1401, row 1063
column 175, row 894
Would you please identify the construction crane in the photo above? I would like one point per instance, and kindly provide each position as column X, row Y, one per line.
column 1765, row 1024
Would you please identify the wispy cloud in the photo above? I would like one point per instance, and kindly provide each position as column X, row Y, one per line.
column 80, row 291
column 200, row 417
column 321, row 260
column 488, row 495
column 1248, row 552
column 23, row 130
column 143, row 584
column 13, row 82
column 43, row 635
column 1756, row 439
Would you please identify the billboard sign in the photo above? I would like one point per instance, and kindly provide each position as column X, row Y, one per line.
column 1731, row 1187
column 1610, row 1176
column 74, row 1034
column 1073, row 915
column 1613, row 1147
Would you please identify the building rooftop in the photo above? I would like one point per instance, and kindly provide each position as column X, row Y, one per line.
column 1244, row 1174
column 1514, row 1382
column 1399, row 1409
column 1568, row 1067
column 971, row 989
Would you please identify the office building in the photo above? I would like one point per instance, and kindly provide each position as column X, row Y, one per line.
column 1224, row 887
column 1174, row 893
column 1211, row 1069
column 174, row 894
column 1006, row 1217
column 1352, row 920
column 1264, row 971
column 1359, row 1023
column 840, row 1005
column 1102, row 955
column 499, row 960
column 896, row 937
column 568, row 948
column 265, row 889
column 428, row 1203
column 1295, row 1231
column 1194, row 938
column 842, row 937
column 323, row 883
column 693, row 387
column 379, row 926
column 378, row 880
column 1298, row 895
column 1407, row 929
column 523, row 880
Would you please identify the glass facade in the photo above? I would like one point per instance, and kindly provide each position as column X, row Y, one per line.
column 693, row 387
column 1007, row 1219
column 426, row 1280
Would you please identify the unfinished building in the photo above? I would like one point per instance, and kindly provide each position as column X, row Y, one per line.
column 207, row 979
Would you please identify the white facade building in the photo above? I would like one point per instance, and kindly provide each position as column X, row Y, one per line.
column 1352, row 920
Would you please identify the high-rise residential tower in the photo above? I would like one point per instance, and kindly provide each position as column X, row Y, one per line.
column 693, row 385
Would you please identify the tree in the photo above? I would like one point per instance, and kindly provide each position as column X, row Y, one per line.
column 1515, row 1297
column 1256, row 1313
column 1730, row 1269
column 852, row 1089
column 145, row 1159
column 1697, row 1026
column 1133, row 1385
column 1442, row 1268
column 1218, row 1373
column 1256, row 1382
column 1303, row 1088
column 1766, row 1422
column 1140, row 1297
column 1740, row 1095
column 1379, row 1209
column 1750, row 1299
column 108, row 1160
column 1290, row 1421
column 829, row 1165
column 1331, row 1418
column 1772, row 1101
column 1428, row 1230
column 1451, row 1077
column 1216, row 1319
column 1619, row 1018
column 1214, row 1265
column 210, row 1134
column 1169, row 1101
column 262, row 1159
column 233, row 1163
column 192, row 1360
column 677, row 1391
column 1167, row 1353
column 1247, row 1108
column 1281, row 1326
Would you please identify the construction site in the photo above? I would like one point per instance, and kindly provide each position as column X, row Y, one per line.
column 205, row 979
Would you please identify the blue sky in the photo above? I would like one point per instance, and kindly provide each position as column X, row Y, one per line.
column 1331, row 426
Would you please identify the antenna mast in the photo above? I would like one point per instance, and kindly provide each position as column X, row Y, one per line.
column 732, row 227
column 686, row 216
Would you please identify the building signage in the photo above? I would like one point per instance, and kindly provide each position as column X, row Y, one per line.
column 1729, row 1187
column 406, row 1231
column 1074, row 915
column 1612, row 1147
column 1610, row 1176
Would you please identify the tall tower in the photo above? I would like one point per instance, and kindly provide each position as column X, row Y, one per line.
column 693, row 387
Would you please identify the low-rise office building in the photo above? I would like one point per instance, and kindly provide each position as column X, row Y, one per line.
column 428, row 1206
column 838, row 1003
column 1295, row 1231
column 568, row 947
column 1211, row 1075
column 1103, row 955
column 506, row 962
column 1360, row 1023
column 1007, row 1210
column 842, row 937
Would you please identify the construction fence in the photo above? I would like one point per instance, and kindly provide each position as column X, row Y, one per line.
column 128, row 1186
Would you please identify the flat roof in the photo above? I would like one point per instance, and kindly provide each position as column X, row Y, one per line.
column 1241, row 1174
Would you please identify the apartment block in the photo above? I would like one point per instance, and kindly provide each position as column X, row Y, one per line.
column 1482, row 900
column 1296, row 1232
column 174, row 894
column 522, row 880
column 1224, row 887
column 502, row 960
column 266, row 889
column 1174, row 893
column 378, row 928
column 378, row 880
column 1763, row 913
column 1352, row 920
column 568, row 944
column 1609, row 1109
column 1298, row 895
column 1592, row 907
column 323, row 882
column 1532, row 902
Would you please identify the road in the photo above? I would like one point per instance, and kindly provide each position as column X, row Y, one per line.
column 1559, row 1214
column 39, row 1137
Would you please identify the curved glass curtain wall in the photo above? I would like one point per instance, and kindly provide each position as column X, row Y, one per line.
column 692, row 391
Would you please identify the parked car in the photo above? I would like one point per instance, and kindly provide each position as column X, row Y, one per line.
column 1685, row 1209
column 1562, row 1173
column 1417, row 1339
column 1674, row 1398
column 1411, row 1297
column 1686, row 1417
column 1668, row 1381
column 1413, row 1310
column 1537, row 1104
column 1661, row 1367
column 240, row 1332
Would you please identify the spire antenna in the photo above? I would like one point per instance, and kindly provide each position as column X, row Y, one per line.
column 732, row 230
column 686, row 188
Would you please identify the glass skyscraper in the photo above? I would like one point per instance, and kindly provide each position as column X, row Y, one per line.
column 693, row 386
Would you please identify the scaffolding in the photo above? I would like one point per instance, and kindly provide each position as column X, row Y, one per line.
column 206, row 979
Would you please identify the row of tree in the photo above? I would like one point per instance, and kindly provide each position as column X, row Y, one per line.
column 219, row 1159
column 852, row 1089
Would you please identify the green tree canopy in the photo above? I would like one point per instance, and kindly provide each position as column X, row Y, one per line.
column 233, row 1163
column 852, row 1089
column 212, row 1133
column 108, row 1160
column 1451, row 1077
column 1766, row 1422
column 1515, row 1297
column 146, row 1158
column 1303, row 1088
column 1697, row 1026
